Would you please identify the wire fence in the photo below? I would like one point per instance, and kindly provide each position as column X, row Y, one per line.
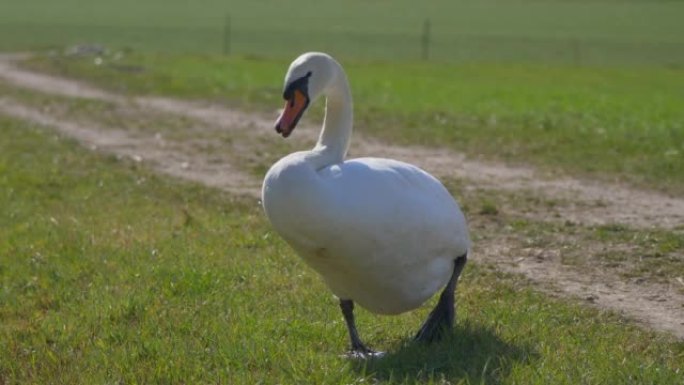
column 424, row 43
column 427, row 46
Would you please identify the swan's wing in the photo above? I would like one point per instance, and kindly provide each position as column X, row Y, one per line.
column 390, row 200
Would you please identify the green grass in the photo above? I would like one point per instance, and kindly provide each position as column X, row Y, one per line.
column 109, row 273
column 572, row 32
column 625, row 124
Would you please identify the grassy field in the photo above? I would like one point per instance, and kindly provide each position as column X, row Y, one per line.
column 112, row 274
column 625, row 124
column 571, row 32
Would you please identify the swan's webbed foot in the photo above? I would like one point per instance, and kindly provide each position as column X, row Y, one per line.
column 358, row 349
column 363, row 355
column 441, row 319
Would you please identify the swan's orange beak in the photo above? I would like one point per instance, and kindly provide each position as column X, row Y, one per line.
column 294, row 108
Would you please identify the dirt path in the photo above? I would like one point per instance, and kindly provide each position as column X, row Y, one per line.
column 175, row 159
column 581, row 202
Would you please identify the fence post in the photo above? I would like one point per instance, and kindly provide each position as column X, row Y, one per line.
column 226, row 35
column 425, row 40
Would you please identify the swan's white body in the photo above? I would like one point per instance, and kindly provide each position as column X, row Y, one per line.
column 380, row 232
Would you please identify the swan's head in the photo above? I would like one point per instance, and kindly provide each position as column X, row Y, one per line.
column 306, row 79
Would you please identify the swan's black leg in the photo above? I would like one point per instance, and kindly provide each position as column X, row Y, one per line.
column 358, row 349
column 441, row 318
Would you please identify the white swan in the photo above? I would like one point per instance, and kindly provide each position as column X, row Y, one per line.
column 382, row 233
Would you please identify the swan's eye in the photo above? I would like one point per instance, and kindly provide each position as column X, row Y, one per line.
column 301, row 84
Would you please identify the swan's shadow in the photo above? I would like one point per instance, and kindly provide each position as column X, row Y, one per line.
column 475, row 353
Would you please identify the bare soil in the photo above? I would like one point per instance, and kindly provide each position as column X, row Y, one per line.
column 195, row 157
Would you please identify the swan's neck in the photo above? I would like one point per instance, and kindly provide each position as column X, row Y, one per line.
column 337, row 125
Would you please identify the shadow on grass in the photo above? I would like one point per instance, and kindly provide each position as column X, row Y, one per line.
column 472, row 353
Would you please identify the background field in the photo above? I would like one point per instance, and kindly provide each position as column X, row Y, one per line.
column 589, row 87
column 571, row 32
column 112, row 274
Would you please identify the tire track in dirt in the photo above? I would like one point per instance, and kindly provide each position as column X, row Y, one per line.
column 588, row 203
column 172, row 158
